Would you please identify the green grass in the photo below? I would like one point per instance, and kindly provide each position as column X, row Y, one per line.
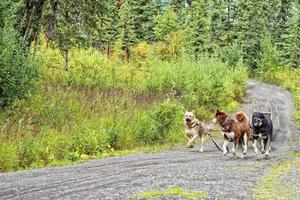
column 173, row 191
column 102, row 106
column 289, row 79
column 270, row 186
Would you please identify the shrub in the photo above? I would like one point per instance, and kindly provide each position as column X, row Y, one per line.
column 270, row 56
column 154, row 126
column 101, row 104
column 142, row 50
column 17, row 75
column 8, row 157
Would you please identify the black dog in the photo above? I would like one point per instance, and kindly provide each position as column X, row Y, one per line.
column 262, row 129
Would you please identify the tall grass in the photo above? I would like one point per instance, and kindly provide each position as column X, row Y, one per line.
column 288, row 78
column 102, row 105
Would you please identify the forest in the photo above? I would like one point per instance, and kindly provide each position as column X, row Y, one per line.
column 81, row 79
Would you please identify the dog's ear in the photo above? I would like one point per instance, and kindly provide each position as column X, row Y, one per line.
column 218, row 111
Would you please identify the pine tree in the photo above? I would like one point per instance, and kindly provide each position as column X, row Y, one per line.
column 251, row 25
column 126, row 28
column 220, row 23
column 282, row 22
column 69, row 30
column 197, row 28
column 165, row 24
column 291, row 46
column 143, row 12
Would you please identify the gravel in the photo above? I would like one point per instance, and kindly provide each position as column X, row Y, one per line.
column 122, row 177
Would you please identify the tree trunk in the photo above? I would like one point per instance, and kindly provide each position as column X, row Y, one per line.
column 31, row 15
column 127, row 54
column 108, row 50
column 51, row 21
column 67, row 57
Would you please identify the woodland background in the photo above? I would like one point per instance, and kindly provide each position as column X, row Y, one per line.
column 84, row 78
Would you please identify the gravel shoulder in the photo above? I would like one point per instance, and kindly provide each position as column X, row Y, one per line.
column 122, row 177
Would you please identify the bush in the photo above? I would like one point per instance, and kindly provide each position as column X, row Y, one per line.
column 101, row 105
column 17, row 75
column 270, row 57
column 154, row 126
column 8, row 157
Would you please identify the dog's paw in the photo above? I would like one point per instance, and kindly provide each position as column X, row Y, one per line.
column 201, row 150
column 190, row 146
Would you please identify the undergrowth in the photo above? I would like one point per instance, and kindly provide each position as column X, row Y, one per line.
column 102, row 105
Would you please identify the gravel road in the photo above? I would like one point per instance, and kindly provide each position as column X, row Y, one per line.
column 122, row 177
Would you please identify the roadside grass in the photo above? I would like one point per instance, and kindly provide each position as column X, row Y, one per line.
column 290, row 80
column 271, row 186
column 102, row 107
column 171, row 192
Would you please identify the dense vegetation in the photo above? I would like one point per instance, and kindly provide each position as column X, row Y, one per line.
column 81, row 78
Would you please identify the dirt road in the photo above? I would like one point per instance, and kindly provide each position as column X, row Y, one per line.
column 122, row 177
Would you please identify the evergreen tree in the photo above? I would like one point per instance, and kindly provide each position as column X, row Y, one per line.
column 251, row 25
column 126, row 28
column 17, row 73
column 165, row 24
column 69, row 30
column 282, row 22
column 291, row 46
column 220, row 23
column 143, row 12
column 197, row 28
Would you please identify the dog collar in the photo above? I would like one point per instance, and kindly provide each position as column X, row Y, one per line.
column 193, row 126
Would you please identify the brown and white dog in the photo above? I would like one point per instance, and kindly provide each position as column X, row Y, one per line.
column 237, row 132
column 193, row 129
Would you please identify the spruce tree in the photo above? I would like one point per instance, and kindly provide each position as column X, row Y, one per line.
column 143, row 12
column 126, row 28
column 251, row 25
column 197, row 28
column 165, row 24
column 291, row 46
column 220, row 23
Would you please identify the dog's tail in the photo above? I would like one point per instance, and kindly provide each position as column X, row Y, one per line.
column 242, row 117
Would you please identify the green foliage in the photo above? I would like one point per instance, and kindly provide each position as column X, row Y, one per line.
column 291, row 38
column 17, row 74
column 221, row 23
column 165, row 24
column 287, row 78
column 142, row 13
column 89, row 110
column 251, row 24
column 272, row 186
column 8, row 157
column 171, row 192
column 197, row 28
column 270, row 57
column 154, row 126
column 233, row 55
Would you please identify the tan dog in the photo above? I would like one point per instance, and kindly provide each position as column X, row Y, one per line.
column 193, row 129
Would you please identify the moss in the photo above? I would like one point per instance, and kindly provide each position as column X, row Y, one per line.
column 173, row 191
